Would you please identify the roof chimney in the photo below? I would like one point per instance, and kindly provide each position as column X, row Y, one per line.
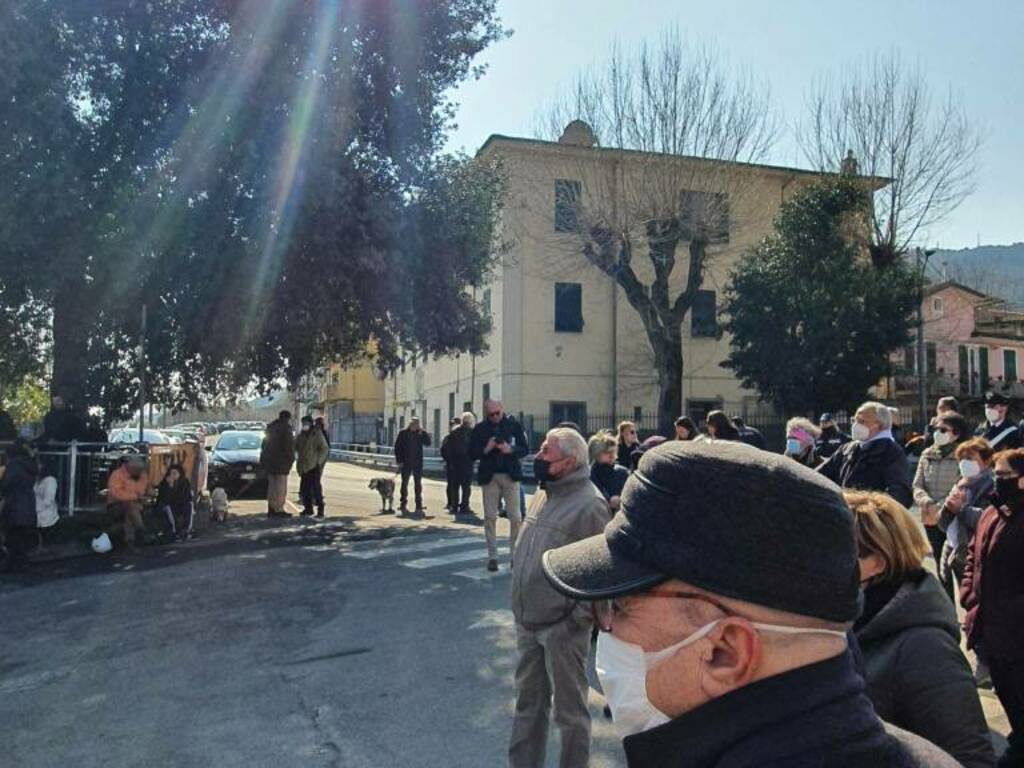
column 849, row 164
column 578, row 134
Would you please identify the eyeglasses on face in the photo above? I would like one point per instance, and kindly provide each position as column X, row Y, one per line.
column 604, row 611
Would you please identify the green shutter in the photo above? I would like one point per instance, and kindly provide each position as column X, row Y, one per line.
column 965, row 373
column 1009, row 365
column 983, row 368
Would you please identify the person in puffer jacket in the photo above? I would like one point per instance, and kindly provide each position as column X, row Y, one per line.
column 917, row 677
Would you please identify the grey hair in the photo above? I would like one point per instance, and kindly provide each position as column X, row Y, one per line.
column 602, row 442
column 468, row 418
column 806, row 425
column 570, row 443
column 881, row 412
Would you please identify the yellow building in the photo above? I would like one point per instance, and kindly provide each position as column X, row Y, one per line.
column 566, row 344
column 352, row 401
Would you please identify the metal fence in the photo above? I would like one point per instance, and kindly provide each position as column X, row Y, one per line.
column 81, row 470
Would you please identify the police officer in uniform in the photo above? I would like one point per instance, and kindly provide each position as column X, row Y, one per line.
column 1001, row 433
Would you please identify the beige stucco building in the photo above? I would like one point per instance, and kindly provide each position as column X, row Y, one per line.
column 352, row 402
column 566, row 344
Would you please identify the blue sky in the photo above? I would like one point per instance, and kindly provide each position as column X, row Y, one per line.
column 977, row 49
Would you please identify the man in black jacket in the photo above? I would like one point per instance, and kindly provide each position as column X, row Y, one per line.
column 457, row 464
column 832, row 438
column 409, row 447
column 873, row 461
column 710, row 654
column 499, row 444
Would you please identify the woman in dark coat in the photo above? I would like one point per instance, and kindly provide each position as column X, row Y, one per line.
column 992, row 593
column 916, row 674
column 609, row 477
column 17, row 487
column 627, row 442
column 720, row 427
column 174, row 501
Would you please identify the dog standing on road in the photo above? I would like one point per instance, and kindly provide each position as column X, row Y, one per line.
column 385, row 486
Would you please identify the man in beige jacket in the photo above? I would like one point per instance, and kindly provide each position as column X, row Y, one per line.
column 553, row 631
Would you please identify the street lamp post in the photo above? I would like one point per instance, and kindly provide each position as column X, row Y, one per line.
column 921, row 258
column 142, row 374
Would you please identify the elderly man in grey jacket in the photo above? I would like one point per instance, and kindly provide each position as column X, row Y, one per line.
column 552, row 631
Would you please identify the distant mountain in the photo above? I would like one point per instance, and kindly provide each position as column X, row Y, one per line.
column 997, row 270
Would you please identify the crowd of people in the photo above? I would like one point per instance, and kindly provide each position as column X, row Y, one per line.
column 804, row 610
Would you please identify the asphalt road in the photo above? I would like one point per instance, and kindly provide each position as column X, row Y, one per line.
column 363, row 641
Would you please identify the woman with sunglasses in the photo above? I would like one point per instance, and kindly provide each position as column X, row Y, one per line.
column 627, row 442
column 938, row 471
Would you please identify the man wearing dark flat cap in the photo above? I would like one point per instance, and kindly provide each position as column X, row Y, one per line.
column 724, row 588
column 997, row 428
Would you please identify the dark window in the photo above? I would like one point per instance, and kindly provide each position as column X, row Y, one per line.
column 487, row 392
column 567, row 197
column 983, row 368
column 487, row 302
column 932, row 357
column 965, row 371
column 467, row 407
column 704, row 316
column 574, row 412
column 451, row 406
column 1009, row 365
column 401, row 423
column 437, row 426
column 705, row 215
column 909, row 358
column 568, row 307
column 638, row 414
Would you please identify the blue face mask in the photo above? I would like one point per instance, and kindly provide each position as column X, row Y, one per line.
column 794, row 447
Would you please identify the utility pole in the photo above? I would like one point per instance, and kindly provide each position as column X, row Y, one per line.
column 921, row 257
column 142, row 374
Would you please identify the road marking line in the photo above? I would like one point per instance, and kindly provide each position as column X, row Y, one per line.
column 482, row 574
column 400, row 549
column 501, row 618
column 455, row 557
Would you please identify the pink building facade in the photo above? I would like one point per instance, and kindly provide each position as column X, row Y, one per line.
column 974, row 343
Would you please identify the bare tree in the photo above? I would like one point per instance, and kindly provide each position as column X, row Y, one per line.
column 662, row 129
column 882, row 111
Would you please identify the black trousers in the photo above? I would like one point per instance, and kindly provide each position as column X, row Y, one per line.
column 417, row 482
column 311, row 490
column 460, row 479
column 937, row 538
column 1008, row 680
column 19, row 541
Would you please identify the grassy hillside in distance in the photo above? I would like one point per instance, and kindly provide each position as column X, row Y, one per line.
column 997, row 270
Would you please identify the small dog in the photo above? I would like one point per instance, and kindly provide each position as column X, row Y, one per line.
column 219, row 505
column 385, row 486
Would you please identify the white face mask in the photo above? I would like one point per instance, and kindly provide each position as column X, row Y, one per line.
column 993, row 415
column 969, row 468
column 942, row 438
column 859, row 432
column 622, row 669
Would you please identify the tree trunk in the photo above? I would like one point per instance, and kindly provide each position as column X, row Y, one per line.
column 668, row 360
column 70, row 341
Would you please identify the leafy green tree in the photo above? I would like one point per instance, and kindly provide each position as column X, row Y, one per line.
column 26, row 403
column 812, row 320
column 265, row 177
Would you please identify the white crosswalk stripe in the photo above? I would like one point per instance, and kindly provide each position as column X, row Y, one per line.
column 465, row 549
column 383, row 549
column 454, row 557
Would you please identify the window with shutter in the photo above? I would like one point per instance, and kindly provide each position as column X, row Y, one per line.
column 568, row 308
column 704, row 316
column 567, row 197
